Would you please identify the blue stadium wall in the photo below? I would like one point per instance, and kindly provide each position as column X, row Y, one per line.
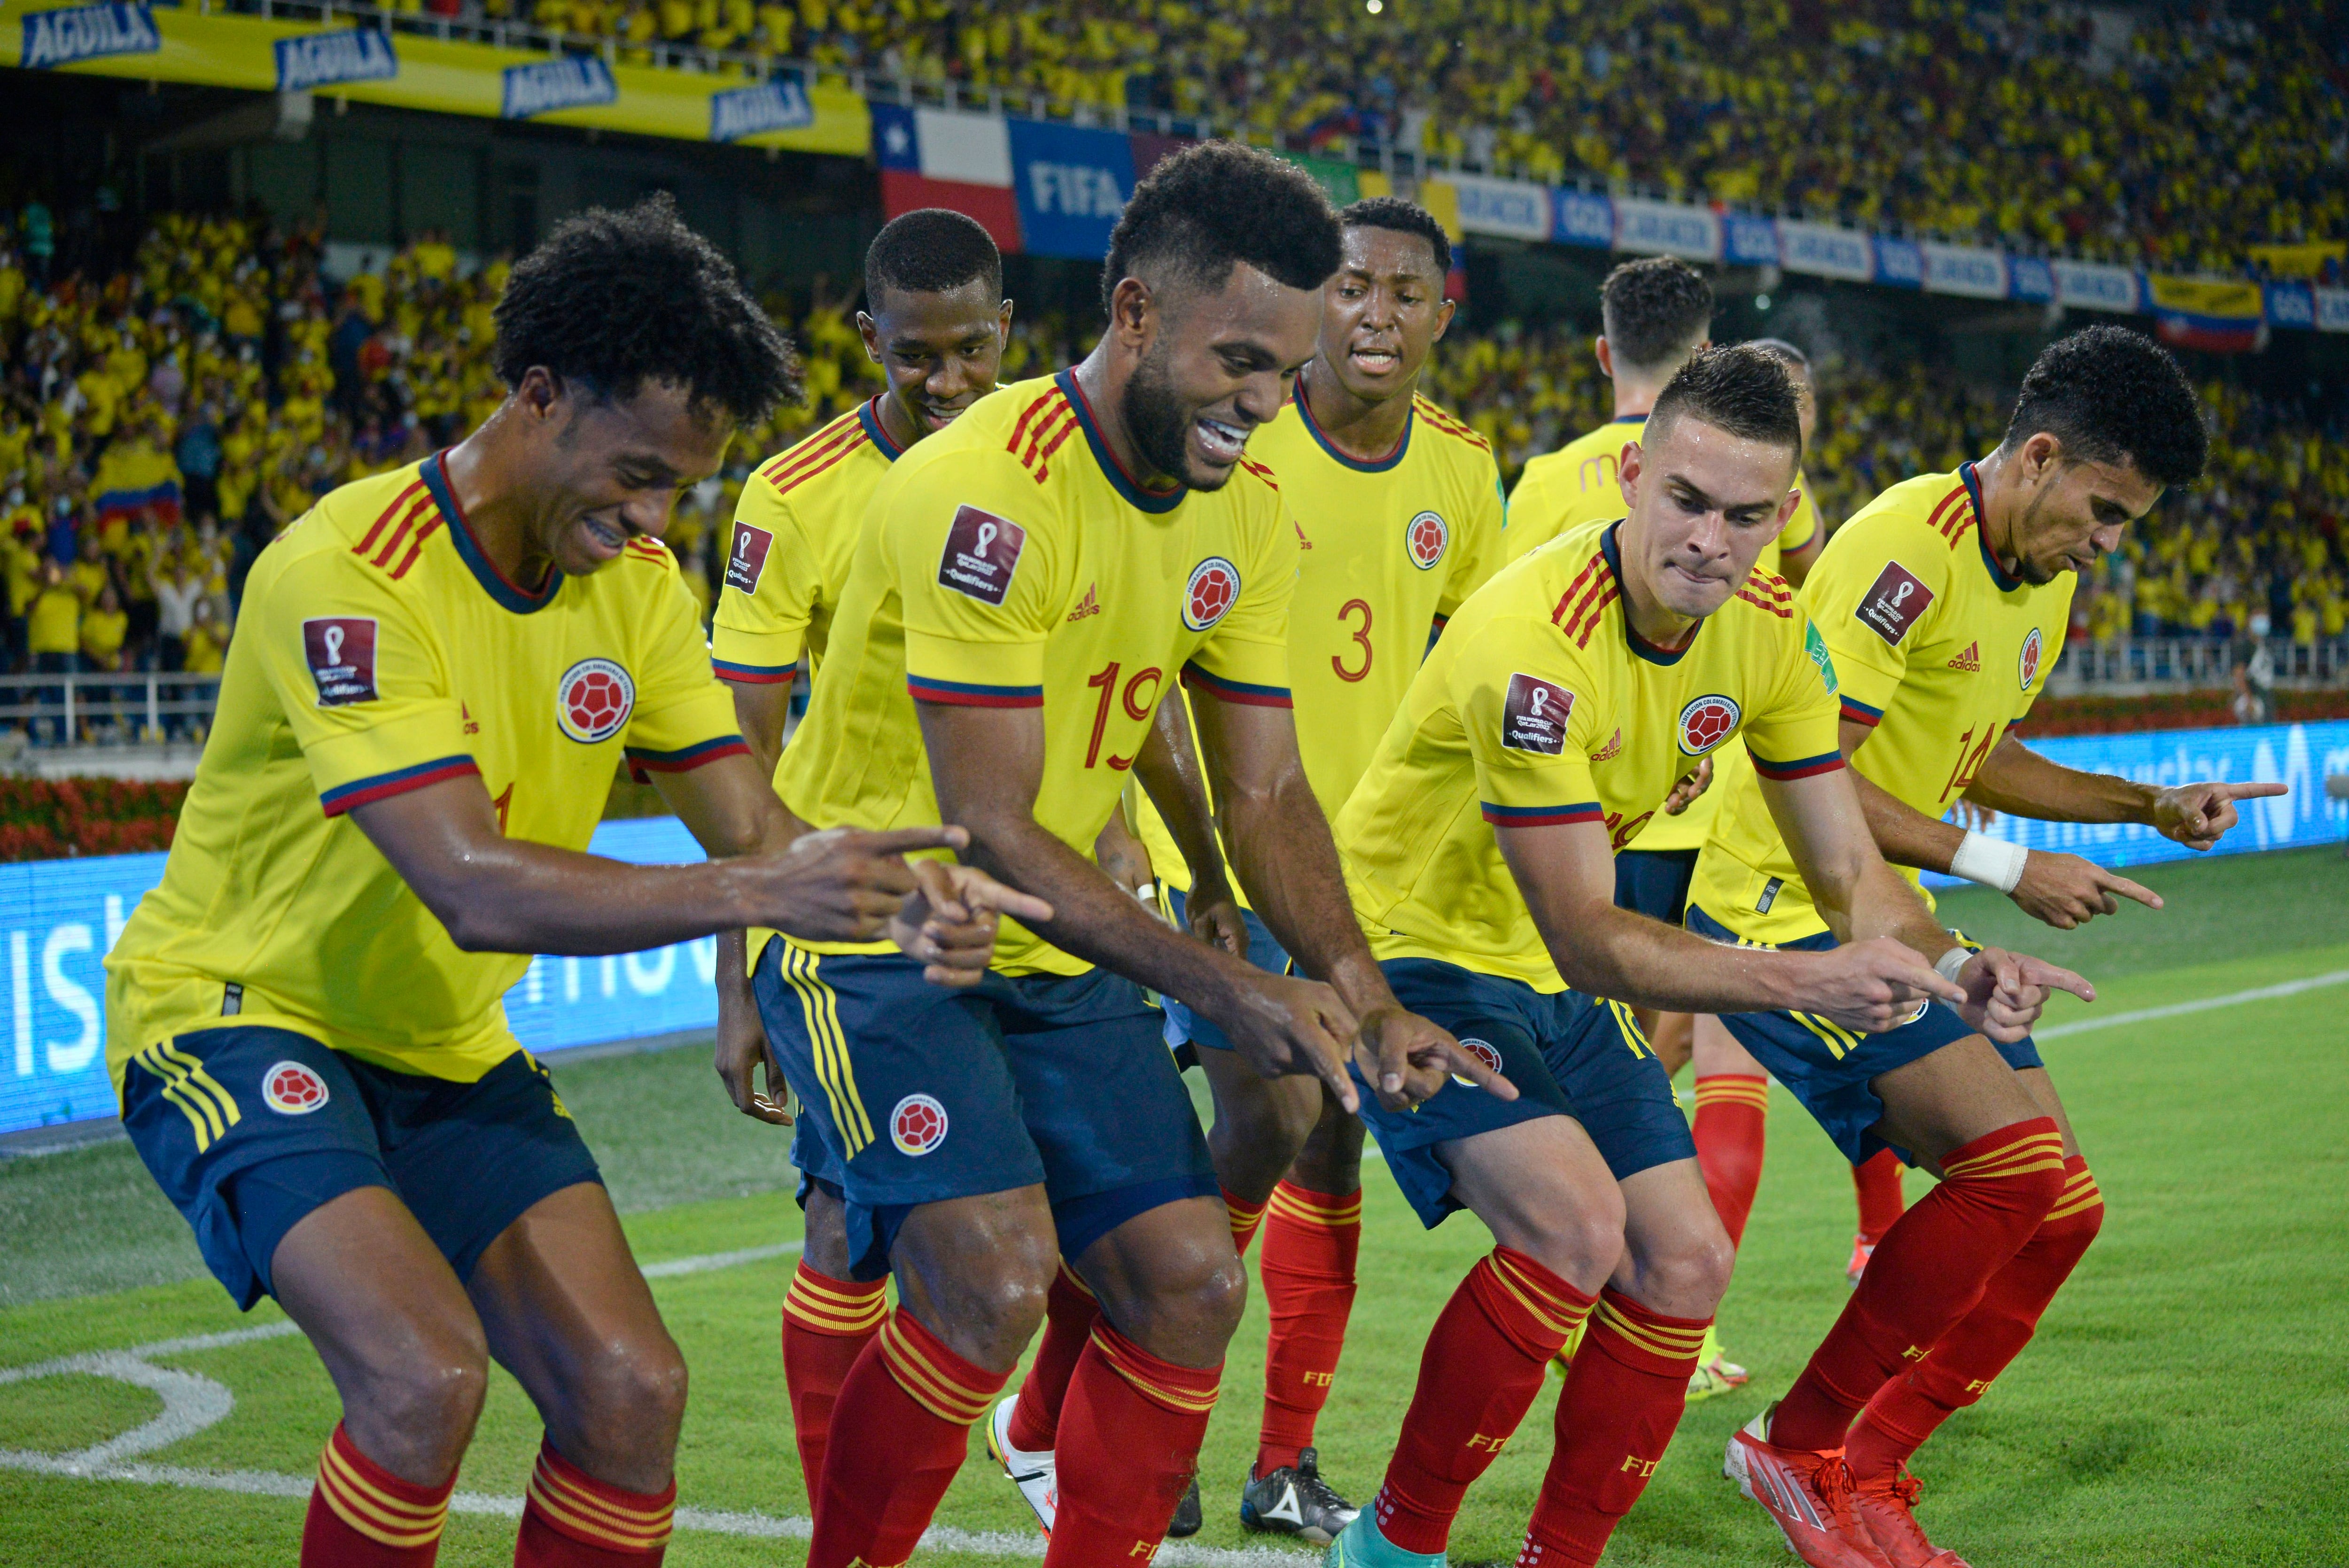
column 59, row 917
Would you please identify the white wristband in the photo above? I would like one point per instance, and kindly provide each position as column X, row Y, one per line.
column 1994, row 862
column 1950, row 962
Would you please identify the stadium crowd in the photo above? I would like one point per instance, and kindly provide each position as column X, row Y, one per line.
column 158, row 426
column 2166, row 137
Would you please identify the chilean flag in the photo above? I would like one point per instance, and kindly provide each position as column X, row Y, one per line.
column 944, row 158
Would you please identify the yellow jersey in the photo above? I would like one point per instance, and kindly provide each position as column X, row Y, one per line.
column 794, row 536
column 1540, row 705
column 1940, row 652
column 1009, row 561
column 1387, row 549
column 380, row 651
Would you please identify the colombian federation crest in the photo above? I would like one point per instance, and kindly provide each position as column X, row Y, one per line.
column 1483, row 1052
column 593, row 700
column 1706, row 723
column 1213, row 589
column 918, row 1125
column 1425, row 538
column 2027, row 666
column 291, row 1089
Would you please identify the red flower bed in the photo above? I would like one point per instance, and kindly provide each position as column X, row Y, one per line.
column 2170, row 710
column 53, row 819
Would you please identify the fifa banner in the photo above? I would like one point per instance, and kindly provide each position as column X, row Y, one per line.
column 58, row 919
column 409, row 71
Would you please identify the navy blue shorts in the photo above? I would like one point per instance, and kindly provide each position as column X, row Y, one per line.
column 248, row 1129
column 1567, row 1054
column 1654, row 883
column 916, row 1094
column 1264, row 952
column 1828, row 1067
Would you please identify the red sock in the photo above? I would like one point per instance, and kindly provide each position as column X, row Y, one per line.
column 1927, row 1273
column 363, row 1516
column 1980, row 1346
column 1875, row 1182
column 1245, row 1218
column 1069, row 1312
column 1732, row 1110
column 1129, row 1445
column 826, row 1322
column 1310, row 1243
column 900, row 1431
column 1482, row 1367
column 571, row 1520
column 1615, row 1419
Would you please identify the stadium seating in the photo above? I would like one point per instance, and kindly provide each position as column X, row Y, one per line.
column 2165, row 137
column 159, row 427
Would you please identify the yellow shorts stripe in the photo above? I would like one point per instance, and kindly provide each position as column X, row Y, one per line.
column 819, row 1005
column 1840, row 1042
column 194, row 1069
column 1632, row 1035
column 203, row 1116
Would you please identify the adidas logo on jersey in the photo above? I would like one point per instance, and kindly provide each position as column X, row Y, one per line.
column 1970, row 661
column 1612, row 750
column 1088, row 606
column 1302, row 542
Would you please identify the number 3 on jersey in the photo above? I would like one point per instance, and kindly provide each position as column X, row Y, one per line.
column 1361, row 636
column 1141, row 699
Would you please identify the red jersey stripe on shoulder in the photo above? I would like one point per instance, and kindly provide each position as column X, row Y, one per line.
column 1597, row 611
column 1783, row 612
column 416, row 546
column 1593, row 602
column 1940, row 510
column 841, row 433
column 1574, row 589
column 375, row 530
column 854, row 444
column 1260, row 471
column 421, row 508
column 1769, row 584
column 1049, row 396
column 1451, row 425
column 1051, row 432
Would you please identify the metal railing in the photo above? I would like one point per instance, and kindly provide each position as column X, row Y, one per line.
column 2127, row 663
column 133, row 706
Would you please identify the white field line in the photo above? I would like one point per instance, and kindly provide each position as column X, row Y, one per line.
column 2203, row 1004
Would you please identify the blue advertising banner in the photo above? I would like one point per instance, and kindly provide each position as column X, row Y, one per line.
column 1071, row 183
column 1581, row 218
column 58, row 919
column 1748, row 241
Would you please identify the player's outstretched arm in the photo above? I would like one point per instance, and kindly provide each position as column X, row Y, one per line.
column 1565, row 872
column 1168, row 769
column 986, row 765
column 2019, row 781
column 511, row 895
column 2063, row 890
column 1281, row 848
column 1868, row 906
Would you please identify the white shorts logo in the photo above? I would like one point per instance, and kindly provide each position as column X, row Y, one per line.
column 291, row 1089
column 1483, row 1052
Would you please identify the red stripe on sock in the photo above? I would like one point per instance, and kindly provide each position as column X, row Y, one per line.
column 363, row 1516
column 571, row 1520
column 1966, row 1359
column 1731, row 1118
column 1311, row 1243
column 1069, row 1314
column 1245, row 1217
column 1482, row 1367
column 826, row 1324
column 1129, row 1445
column 892, row 1456
column 1927, row 1273
column 1876, row 1184
column 1616, row 1416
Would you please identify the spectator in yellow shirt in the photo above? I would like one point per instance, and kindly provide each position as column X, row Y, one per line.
column 206, row 642
column 103, row 631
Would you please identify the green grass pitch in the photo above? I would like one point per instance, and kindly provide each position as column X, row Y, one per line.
column 2187, row 1400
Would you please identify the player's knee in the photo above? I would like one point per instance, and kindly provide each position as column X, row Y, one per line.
column 632, row 1397
column 1582, row 1247
column 429, row 1395
column 1692, row 1276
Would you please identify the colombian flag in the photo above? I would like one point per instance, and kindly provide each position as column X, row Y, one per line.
column 2216, row 315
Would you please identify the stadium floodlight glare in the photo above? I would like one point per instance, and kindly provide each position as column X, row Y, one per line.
column 1374, row 7
column 1761, row 301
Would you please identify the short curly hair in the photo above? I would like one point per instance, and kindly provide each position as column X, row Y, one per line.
column 614, row 299
column 2113, row 396
column 1654, row 311
column 1398, row 216
column 1739, row 388
column 1214, row 204
column 931, row 250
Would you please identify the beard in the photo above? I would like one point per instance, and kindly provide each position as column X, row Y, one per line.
column 1155, row 418
column 2030, row 570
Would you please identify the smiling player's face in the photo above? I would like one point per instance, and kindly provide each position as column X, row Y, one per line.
column 1217, row 366
column 613, row 469
column 1703, row 504
column 941, row 350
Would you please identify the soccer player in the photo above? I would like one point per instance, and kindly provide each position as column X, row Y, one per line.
column 1942, row 603
column 1026, row 585
column 1397, row 507
column 936, row 324
column 1559, row 709
column 436, row 675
